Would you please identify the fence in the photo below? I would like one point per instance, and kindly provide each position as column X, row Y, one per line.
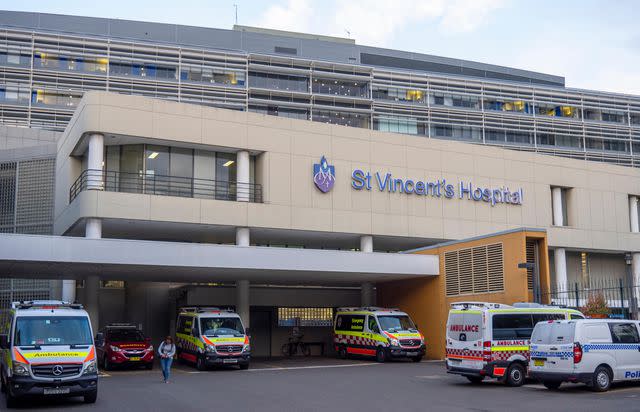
column 621, row 296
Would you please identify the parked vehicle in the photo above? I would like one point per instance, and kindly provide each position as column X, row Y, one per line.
column 492, row 339
column 212, row 336
column 47, row 350
column 121, row 344
column 592, row 351
column 377, row 332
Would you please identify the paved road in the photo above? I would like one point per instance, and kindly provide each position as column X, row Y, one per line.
column 329, row 384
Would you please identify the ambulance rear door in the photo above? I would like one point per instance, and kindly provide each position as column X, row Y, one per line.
column 464, row 339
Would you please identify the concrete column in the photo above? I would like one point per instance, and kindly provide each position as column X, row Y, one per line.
column 366, row 243
column 242, row 172
column 243, row 237
column 366, row 294
column 95, row 157
column 242, row 301
column 69, row 290
column 92, row 300
column 93, row 228
column 633, row 214
column 635, row 268
column 560, row 261
column 556, row 201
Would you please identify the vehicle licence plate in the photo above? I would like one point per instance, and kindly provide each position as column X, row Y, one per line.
column 134, row 359
column 412, row 353
column 230, row 361
column 538, row 362
column 56, row 391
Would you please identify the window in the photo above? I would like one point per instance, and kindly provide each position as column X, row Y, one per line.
column 350, row 323
column 341, row 118
column 474, row 270
column 563, row 219
column 624, row 333
column 125, row 335
column 574, row 316
column 52, row 330
column 352, row 88
column 279, row 82
column 112, row 284
column 185, row 323
column 544, row 317
column 557, row 111
column 512, row 326
column 221, row 326
column 305, row 317
column 373, row 324
column 396, row 124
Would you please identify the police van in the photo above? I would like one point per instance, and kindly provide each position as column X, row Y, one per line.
column 492, row 339
column 211, row 336
column 47, row 350
column 377, row 332
column 592, row 351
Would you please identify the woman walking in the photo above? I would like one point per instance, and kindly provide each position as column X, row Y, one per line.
column 166, row 350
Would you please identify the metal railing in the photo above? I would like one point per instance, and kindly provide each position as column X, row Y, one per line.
column 617, row 293
column 153, row 184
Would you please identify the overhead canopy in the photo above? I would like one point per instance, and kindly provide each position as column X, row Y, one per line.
column 118, row 259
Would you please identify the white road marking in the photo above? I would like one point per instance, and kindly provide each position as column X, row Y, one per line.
column 430, row 377
column 285, row 368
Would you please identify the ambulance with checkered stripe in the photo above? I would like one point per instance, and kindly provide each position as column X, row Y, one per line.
column 377, row 332
column 47, row 350
column 210, row 336
column 592, row 351
column 491, row 340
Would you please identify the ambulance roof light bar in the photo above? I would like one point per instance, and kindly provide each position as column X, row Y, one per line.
column 367, row 308
column 488, row 305
column 202, row 309
column 118, row 325
column 44, row 304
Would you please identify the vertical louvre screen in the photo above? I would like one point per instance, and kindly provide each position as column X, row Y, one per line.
column 531, row 258
column 474, row 270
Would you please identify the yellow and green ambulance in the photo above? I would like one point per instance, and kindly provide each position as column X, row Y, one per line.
column 377, row 332
column 209, row 337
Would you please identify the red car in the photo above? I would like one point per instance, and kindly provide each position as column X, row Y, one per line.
column 123, row 344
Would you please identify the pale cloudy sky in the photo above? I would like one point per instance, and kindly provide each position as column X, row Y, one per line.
column 595, row 44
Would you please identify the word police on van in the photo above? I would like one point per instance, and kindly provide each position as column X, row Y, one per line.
column 48, row 350
column 492, row 339
column 592, row 351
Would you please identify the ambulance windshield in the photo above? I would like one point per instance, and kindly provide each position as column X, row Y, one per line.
column 52, row 330
column 396, row 323
column 221, row 326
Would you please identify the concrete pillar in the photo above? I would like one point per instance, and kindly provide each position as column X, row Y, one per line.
column 366, row 243
column 635, row 268
column 366, row 294
column 93, row 228
column 243, row 237
column 69, row 290
column 95, row 157
column 242, row 172
column 242, row 301
column 560, row 261
column 633, row 214
column 92, row 300
column 556, row 201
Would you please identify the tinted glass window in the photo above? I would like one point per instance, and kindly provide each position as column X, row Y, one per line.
column 350, row 323
column 373, row 324
column 624, row 333
column 464, row 326
column 576, row 316
column 512, row 326
column 56, row 330
column 221, row 326
column 125, row 335
column 396, row 323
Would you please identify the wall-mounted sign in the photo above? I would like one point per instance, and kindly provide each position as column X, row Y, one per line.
column 385, row 182
column 324, row 175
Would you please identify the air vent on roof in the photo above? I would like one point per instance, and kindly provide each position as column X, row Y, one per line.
column 286, row 50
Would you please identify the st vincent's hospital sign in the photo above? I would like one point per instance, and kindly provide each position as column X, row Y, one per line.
column 386, row 182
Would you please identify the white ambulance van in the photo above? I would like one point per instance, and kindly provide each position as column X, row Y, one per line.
column 492, row 339
column 592, row 351
column 48, row 350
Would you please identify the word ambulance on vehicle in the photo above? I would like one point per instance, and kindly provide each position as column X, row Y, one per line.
column 592, row 351
column 377, row 332
column 212, row 336
column 492, row 339
column 48, row 350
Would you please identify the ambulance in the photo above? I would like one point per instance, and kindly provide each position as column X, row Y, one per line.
column 47, row 350
column 491, row 340
column 377, row 332
column 592, row 351
column 211, row 336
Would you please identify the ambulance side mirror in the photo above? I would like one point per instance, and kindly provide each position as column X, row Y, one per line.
column 4, row 341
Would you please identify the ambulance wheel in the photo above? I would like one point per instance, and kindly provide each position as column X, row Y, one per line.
column 91, row 398
column 11, row 401
column 552, row 385
column 515, row 375
column 244, row 366
column 342, row 352
column 200, row 365
column 381, row 355
column 417, row 359
column 475, row 379
column 601, row 380
column 149, row 366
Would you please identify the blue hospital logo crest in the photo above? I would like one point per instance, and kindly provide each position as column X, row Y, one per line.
column 324, row 175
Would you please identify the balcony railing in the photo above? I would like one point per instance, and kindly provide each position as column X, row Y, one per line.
column 154, row 184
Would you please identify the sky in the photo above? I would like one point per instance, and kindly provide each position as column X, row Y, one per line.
column 594, row 44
